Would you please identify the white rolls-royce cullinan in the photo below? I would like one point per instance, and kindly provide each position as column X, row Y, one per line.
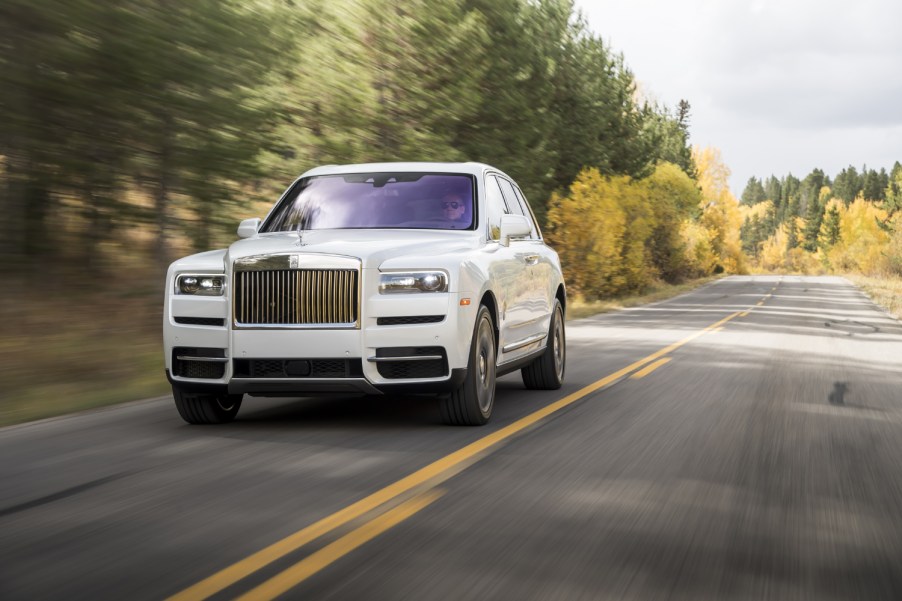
column 375, row 279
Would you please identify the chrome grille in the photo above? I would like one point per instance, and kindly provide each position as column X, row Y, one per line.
column 297, row 297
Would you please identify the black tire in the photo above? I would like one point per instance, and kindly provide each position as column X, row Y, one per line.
column 471, row 404
column 206, row 408
column 547, row 372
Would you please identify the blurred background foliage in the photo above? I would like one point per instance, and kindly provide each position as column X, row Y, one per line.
column 136, row 131
column 174, row 117
column 850, row 223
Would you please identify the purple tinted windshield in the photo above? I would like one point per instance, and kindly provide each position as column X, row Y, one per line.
column 376, row 200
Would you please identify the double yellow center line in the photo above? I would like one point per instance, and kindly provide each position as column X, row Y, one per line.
column 415, row 492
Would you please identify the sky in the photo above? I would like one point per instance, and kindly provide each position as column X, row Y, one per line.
column 779, row 86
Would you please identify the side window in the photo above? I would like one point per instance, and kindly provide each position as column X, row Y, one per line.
column 510, row 196
column 528, row 212
column 495, row 207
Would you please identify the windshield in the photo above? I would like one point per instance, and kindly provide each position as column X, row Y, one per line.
column 376, row 200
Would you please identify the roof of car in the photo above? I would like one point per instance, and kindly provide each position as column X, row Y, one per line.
column 413, row 167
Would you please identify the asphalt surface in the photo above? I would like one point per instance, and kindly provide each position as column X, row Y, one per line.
column 758, row 457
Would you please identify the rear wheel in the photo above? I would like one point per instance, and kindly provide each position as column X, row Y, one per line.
column 547, row 372
column 471, row 404
column 206, row 408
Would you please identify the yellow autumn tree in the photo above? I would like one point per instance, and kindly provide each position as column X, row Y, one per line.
column 720, row 210
column 862, row 241
column 586, row 227
column 759, row 210
column 617, row 235
column 701, row 260
column 637, row 270
column 893, row 251
column 779, row 253
column 772, row 250
column 672, row 195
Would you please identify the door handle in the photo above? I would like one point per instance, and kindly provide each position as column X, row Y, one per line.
column 532, row 259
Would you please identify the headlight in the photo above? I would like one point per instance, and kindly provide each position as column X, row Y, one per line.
column 199, row 285
column 427, row 281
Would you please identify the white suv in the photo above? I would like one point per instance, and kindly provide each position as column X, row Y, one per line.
column 377, row 279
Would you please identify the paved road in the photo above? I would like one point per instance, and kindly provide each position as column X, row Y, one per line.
column 743, row 441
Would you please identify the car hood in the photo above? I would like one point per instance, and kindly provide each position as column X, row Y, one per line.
column 374, row 248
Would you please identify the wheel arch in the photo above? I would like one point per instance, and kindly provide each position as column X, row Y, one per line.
column 488, row 299
column 561, row 296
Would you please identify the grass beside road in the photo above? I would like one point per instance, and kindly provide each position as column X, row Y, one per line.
column 885, row 291
column 88, row 349
column 91, row 349
column 579, row 308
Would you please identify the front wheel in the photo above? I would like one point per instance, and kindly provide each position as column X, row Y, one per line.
column 471, row 404
column 547, row 372
column 206, row 408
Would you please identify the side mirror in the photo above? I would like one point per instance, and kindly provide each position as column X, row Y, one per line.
column 514, row 226
column 248, row 227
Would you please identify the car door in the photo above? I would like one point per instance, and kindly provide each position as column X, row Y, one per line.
column 531, row 311
column 505, row 270
column 545, row 269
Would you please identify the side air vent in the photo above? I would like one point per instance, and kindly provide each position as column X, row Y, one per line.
column 409, row 321
column 198, row 363
column 400, row 363
column 200, row 321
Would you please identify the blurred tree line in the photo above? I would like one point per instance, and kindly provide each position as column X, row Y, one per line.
column 125, row 113
column 848, row 223
column 132, row 126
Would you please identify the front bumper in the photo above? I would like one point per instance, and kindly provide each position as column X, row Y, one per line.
column 306, row 386
column 358, row 345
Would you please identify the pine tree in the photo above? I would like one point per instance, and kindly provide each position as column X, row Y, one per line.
column 668, row 136
column 770, row 223
column 892, row 194
column 792, row 234
column 810, row 188
column 773, row 190
column 892, row 197
column 847, row 184
column 752, row 236
column 753, row 193
column 830, row 230
column 813, row 218
column 871, row 188
column 790, row 187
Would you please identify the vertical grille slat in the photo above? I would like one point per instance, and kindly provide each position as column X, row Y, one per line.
column 318, row 304
column 330, row 296
column 305, row 297
column 267, row 315
column 296, row 297
column 258, row 316
column 342, row 283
